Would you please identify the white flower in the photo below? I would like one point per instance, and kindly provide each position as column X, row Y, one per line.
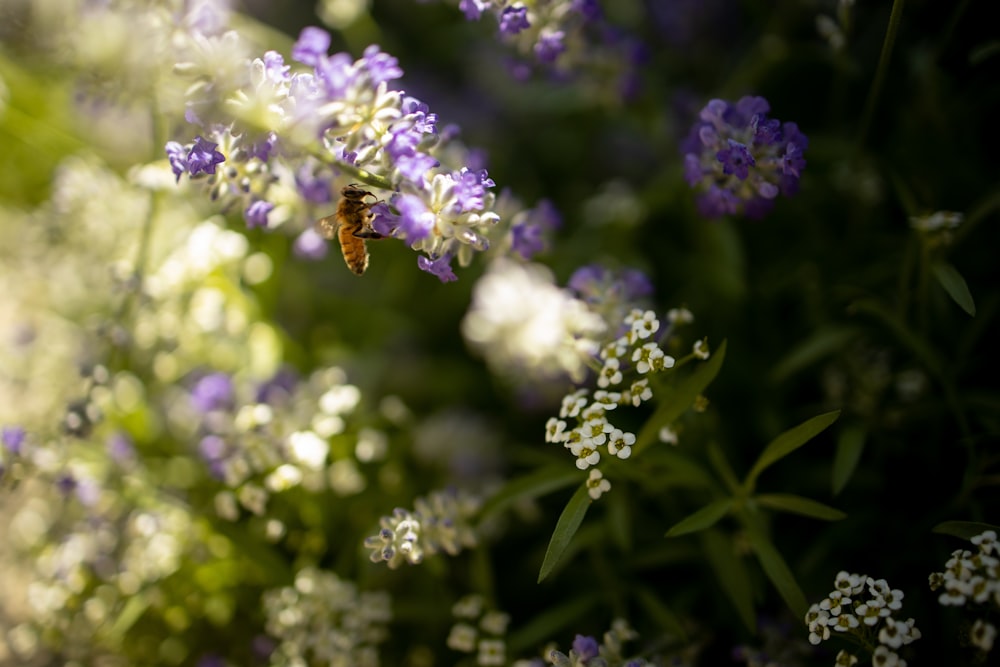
column 610, row 373
column 595, row 430
column 849, row 584
column 644, row 324
column 983, row 634
column 640, row 392
column 586, row 455
column 555, row 430
column 620, row 443
column 845, row 659
column 596, row 484
column 668, row 435
column 308, row 449
column 462, row 638
column 607, row 400
column 526, row 327
column 650, row 357
column 492, row 652
column 573, row 403
column 986, row 541
column 700, row 349
column 883, row 657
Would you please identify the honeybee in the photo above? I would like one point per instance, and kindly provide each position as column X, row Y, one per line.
column 352, row 224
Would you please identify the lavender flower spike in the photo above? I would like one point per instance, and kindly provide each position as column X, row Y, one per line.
column 738, row 160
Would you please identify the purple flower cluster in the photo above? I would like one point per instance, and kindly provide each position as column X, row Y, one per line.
column 279, row 123
column 738, row 160
column 563, row 36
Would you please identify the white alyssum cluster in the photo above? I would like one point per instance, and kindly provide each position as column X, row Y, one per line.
column 864, row 607
column 526, row 327
column 973, row 580
column 635, row 353
column 322, row 619
column 439, row 522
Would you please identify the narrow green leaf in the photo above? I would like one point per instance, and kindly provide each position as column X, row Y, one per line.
column 776, row 570
column 704, row 518
column 134, row 608
column 675, row 400
column 788, row 442
column 786, row 502
column 538, row 483
column 822, row 344
column 731, row 575
column 722, row 468
column 954, row 284
column 850, row 445
column 661, row 614
column 963, row 529
column 567, row 525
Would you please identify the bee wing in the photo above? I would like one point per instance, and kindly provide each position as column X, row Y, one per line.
column 328, row 226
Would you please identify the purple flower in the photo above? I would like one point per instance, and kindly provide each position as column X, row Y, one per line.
column 381, row 66
column 66, row 483
column 597, row 284
column 440, row 267
column 203, row 157
column 415, row 220
column 514, row 19
column 586, row 647
column 738, row 160
column 470, row 188
column 120, row 448
column 274, row 67
column 310, row 245
column 312, row 187
column 177, row 155
column 413, row 167
column 590, row 9
column 473, row 9
column 256, row 213
column 212, row 392
column 336, row 74
column 13, row 439
column 262, row 149
column 213, row 450
column 529, row 232
column 278, row 388
column 550, row 45
column 312, row 46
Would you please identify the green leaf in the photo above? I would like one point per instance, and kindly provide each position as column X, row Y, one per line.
column 674, row 400
column 566, row 527
column 788, row 442
column 722, row 468
column 963, row 529
column 538, row 483
column 704, row 518
column 850, row 444
column 661, row 614
column 134, row 608
column 731, row 575
column 954, row 284
column 776, row 570
column 786, row 502
column 825, row 342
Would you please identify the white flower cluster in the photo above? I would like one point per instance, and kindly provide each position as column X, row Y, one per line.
column 973, row 579
column 634, row 350
column 438, row 523
column 479, row 631
column 324, row 620
column 528, row 328
column 864, row 607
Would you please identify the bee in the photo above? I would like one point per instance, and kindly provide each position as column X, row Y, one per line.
column 352, row 224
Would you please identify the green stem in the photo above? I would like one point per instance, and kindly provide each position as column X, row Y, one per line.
column 895, row 17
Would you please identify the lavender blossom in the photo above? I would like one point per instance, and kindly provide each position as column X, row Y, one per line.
column 738, row 160
column 275, row 126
